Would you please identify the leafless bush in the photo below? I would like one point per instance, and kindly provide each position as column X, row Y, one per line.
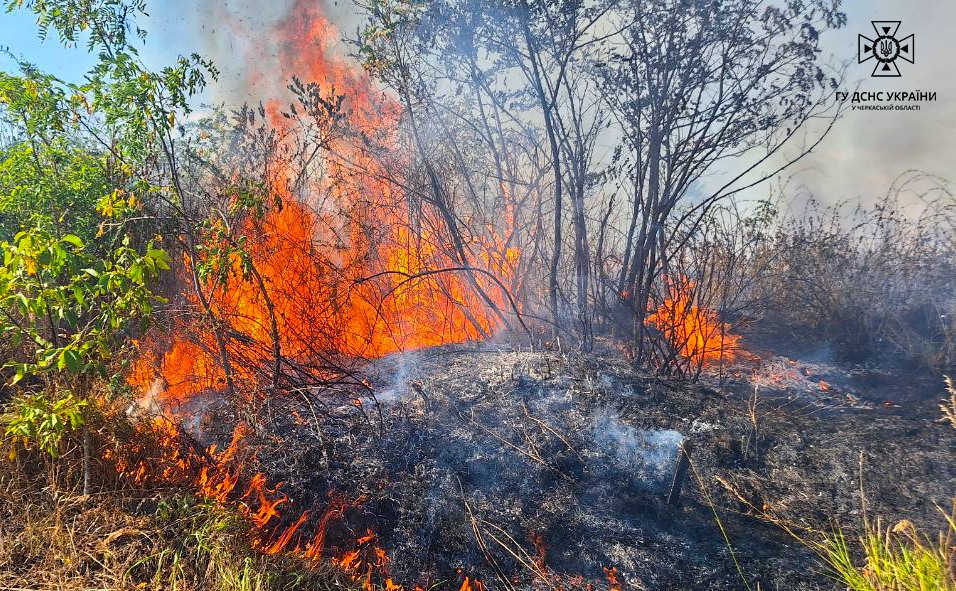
column 718, row 262
column 871, row 281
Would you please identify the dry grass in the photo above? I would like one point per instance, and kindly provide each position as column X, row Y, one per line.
column 871, row 282
column 127, row 538
column 897, row 558
column 948, row 407
column 877, row 558
column 130, row 541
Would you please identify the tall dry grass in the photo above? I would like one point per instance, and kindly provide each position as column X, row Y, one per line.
column 124, row 536
column 870, row 282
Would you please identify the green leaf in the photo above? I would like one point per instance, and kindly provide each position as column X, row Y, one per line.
column 79, row 296
column 74, row 240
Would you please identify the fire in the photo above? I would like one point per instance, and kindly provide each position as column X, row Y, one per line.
column 695, row 333
column 218, row 476
column 267, row 500
column 342, row 269
column 332, row 268
column 614, row 584
column 368, row 564
column 335, row 269
column 472, row 585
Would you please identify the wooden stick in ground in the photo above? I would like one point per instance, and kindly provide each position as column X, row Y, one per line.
column 683, row 460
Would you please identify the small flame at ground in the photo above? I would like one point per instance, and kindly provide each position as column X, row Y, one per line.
column 695, row 333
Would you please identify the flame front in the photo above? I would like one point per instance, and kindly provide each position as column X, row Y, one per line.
column 334, row 269
column 340, row 265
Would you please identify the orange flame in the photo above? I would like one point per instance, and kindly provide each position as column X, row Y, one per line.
column 216, row 476
column 367, row 563
column 695, row 333
column 343, row 267
column 267, row 506
column 337, row 268
column 613, row 582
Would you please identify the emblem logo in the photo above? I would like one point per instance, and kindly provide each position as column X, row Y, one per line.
column 886, row 48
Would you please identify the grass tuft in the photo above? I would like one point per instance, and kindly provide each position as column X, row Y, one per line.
column 896, row 558
column 949, row 406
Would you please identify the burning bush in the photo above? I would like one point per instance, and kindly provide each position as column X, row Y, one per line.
column 694, row 333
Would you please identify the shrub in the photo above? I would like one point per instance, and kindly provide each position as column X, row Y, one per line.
column 872, row 282
column 34, row 421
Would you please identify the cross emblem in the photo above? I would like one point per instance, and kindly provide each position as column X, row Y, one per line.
column 886, row 48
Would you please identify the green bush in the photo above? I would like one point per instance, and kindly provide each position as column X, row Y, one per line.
column 34, row 421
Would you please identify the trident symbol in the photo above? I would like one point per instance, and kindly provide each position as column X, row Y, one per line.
column 886, row 48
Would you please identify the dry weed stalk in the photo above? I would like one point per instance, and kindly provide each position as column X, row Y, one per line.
column 949, row 406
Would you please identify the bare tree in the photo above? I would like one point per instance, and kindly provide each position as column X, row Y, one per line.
column 697, row 87
column 506, row 85
column 609, row 115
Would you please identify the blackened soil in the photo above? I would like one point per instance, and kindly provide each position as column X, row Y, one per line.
column 477, row 462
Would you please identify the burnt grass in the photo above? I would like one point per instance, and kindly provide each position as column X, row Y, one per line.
column 478, row 462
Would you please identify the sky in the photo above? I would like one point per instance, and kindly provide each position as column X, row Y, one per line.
column 859, row 159
column 868, row 149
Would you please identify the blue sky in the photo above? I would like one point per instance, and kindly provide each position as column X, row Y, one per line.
column 20, row 35
column 169, row 34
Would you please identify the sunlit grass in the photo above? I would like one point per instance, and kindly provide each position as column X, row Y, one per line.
column 948, row 406
column 897, row 558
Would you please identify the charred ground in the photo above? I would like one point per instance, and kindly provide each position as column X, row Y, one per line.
column 542, row 468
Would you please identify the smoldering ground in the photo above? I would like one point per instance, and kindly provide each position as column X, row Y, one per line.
column 483, row 461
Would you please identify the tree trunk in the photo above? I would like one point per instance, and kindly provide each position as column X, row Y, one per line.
column 546, row 107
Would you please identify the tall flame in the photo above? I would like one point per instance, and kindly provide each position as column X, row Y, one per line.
column 341, row 266
column 338, row 269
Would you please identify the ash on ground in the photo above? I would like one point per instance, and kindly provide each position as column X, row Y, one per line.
column 524, row 466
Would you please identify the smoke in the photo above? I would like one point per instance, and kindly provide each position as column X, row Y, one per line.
column 647, row 456
column 259, row 47
column 867, row 150
column 862, row 156
column 393, row 374
column 195, row 415
column 148, row 405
